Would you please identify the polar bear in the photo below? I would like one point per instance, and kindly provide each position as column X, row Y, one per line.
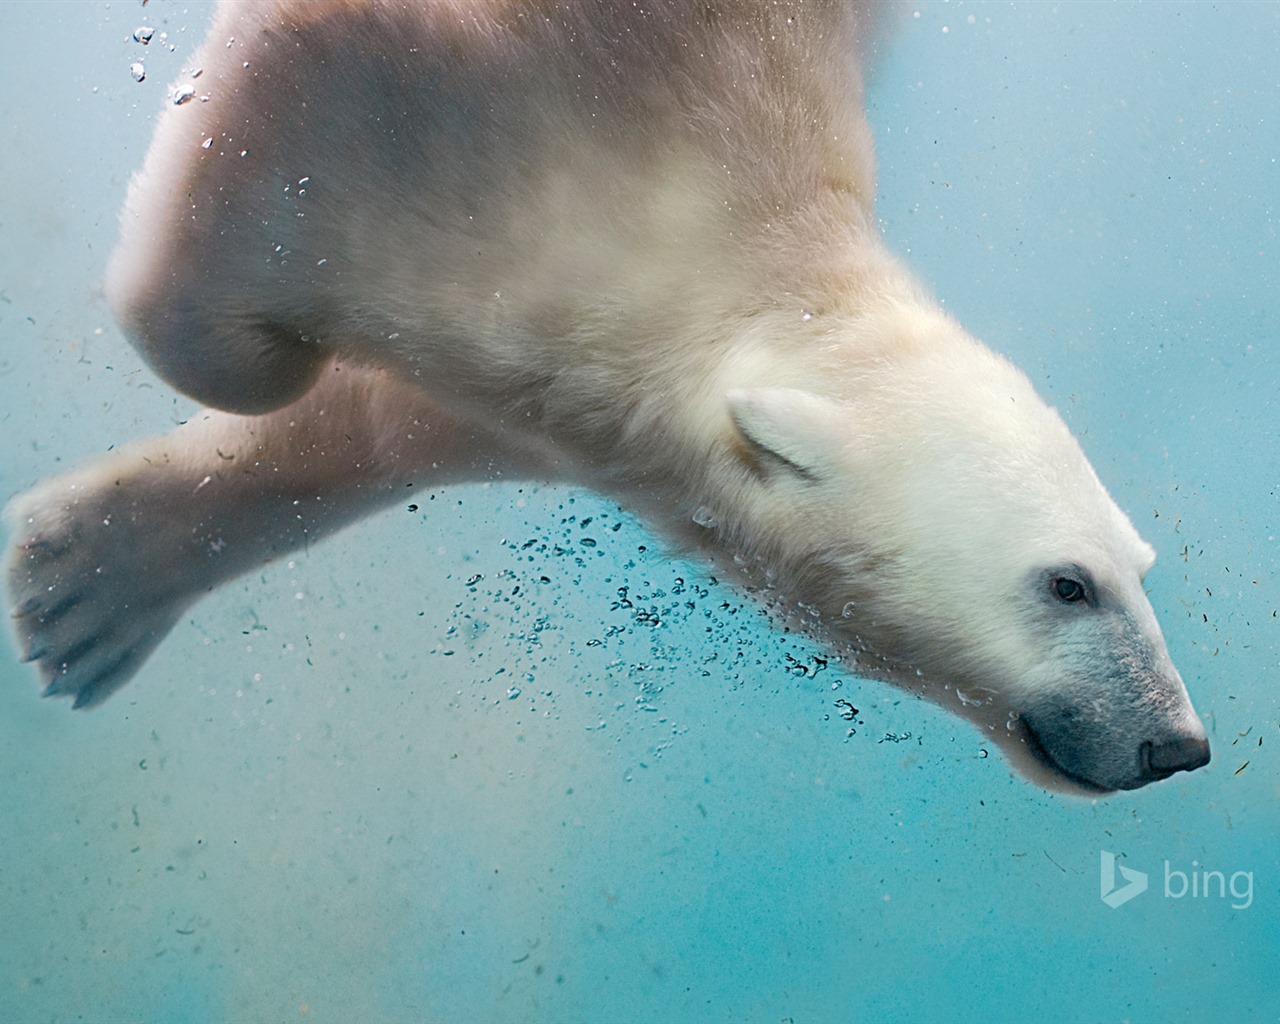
column 397, row 245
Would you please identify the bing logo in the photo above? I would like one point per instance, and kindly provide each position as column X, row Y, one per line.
column 1197, row 884
column 1135, row 882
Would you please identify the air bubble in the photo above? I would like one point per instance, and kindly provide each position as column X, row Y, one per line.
column 847, row 611
column 143, row 33
column 704, row 517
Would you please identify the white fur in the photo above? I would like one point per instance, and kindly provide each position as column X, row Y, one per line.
column 630, row 248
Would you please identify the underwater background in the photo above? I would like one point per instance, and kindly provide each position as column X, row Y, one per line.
column 499, row 758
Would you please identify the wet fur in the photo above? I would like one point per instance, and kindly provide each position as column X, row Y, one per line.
column 633, row 248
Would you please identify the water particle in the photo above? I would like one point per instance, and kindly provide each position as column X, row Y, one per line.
column 182, row 94
column 138, row 71
column 207, row 143
column 848, row 610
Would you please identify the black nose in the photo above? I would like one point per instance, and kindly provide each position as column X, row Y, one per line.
column 1160, row 760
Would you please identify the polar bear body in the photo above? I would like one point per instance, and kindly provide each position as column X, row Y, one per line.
column 403, row 245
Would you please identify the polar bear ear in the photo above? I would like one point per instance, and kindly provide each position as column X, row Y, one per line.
column 785, row 428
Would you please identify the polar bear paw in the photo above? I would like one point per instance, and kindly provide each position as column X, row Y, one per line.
column 90, row 599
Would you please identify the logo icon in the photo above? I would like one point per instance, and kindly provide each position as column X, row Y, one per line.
column 1135, row 882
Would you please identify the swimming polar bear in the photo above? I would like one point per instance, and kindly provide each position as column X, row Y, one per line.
column 400, row 245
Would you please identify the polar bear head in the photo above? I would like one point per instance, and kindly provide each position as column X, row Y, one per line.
column 945, row 527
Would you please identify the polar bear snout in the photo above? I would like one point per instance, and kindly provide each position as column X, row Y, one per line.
column 1082, row 752
column 1168, row 755
column 1185, row 754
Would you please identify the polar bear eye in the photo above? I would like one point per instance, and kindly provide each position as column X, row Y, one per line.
column 1066, row 583
column 1068, row 590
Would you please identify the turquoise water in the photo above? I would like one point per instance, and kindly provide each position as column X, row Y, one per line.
column 458, row 765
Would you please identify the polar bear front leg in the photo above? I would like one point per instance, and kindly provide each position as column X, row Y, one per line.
column 106, row 559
